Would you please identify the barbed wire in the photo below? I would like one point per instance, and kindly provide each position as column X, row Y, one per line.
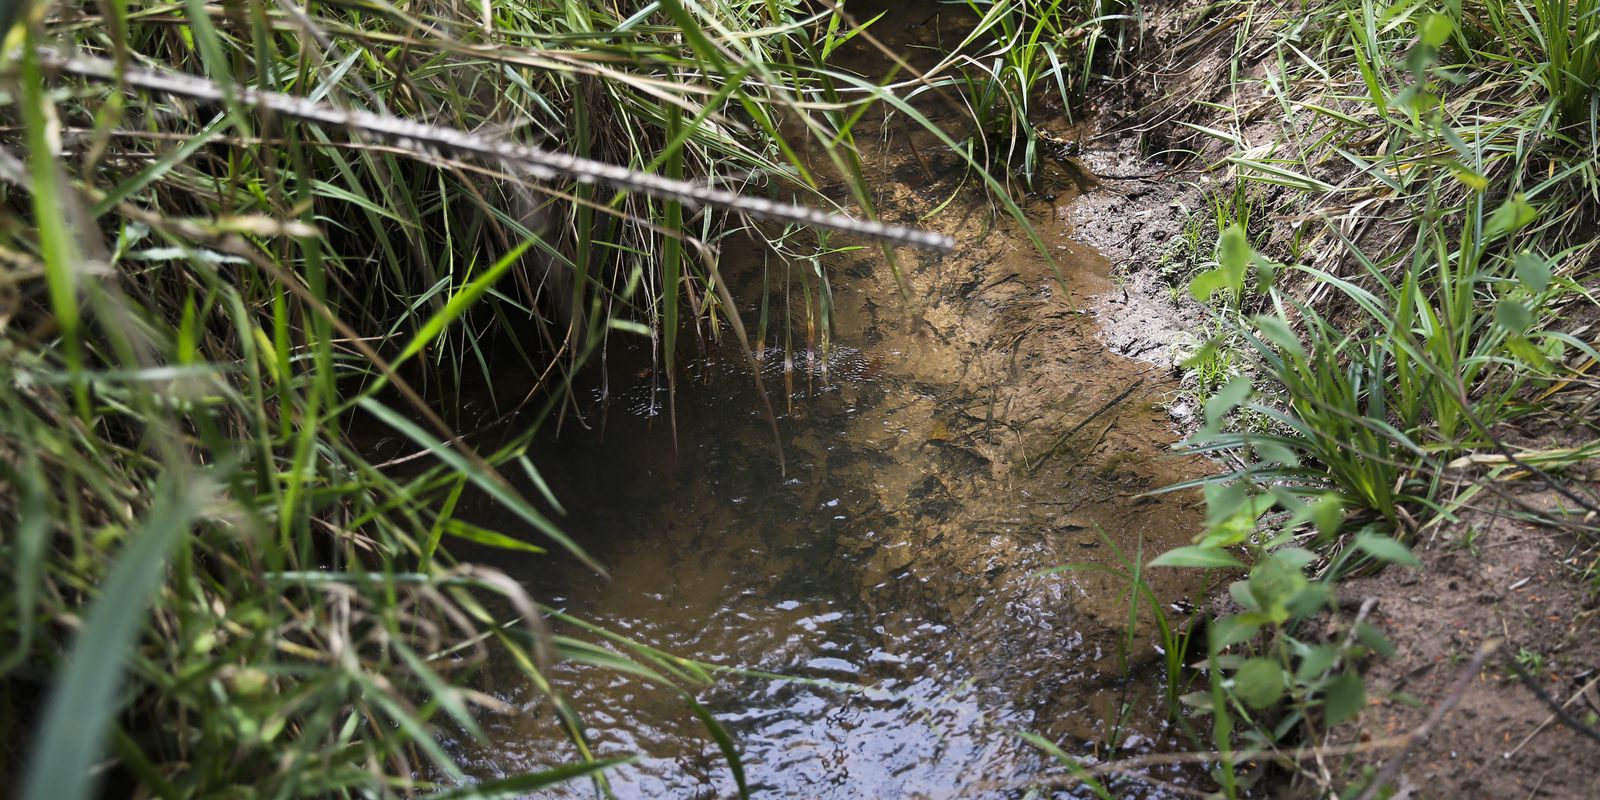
column 424, row 138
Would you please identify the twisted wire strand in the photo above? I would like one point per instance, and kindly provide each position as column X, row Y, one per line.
column 539, row 163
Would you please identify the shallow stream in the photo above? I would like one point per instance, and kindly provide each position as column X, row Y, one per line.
column 966, row 436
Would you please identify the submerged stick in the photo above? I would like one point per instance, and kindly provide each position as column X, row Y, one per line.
column 1067, row 434
column 543, row 164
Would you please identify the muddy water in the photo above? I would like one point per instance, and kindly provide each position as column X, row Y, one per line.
column 965, row 436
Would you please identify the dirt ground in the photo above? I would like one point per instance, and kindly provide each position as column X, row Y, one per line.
column 1492, row 579
column 1497, row 581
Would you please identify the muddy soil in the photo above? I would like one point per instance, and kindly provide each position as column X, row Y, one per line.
column 1488, row 580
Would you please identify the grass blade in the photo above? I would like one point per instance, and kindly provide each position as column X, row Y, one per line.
column 85, row 699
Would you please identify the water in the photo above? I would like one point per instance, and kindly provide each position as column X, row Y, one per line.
column 894, row 573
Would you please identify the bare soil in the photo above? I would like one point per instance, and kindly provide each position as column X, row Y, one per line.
column 1496, row 581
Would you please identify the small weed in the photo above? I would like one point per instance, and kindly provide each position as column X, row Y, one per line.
column 1530, row 662
column 1469, row 541
column 1186, row 254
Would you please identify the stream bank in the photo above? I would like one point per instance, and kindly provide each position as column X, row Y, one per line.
column 919, row 575
column 1504, row 574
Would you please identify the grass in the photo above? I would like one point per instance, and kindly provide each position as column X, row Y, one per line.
column 1439, row 161
column 1026, row 63
column 240, row 239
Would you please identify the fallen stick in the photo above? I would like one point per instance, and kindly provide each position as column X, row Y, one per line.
column 1062, row 439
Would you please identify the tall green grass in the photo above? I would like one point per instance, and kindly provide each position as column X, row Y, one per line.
column 211, row 305
column 1023, row 64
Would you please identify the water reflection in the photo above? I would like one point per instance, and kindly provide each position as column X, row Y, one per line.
column 895, row 572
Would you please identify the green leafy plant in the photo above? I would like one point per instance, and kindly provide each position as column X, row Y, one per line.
column 1380, row 359
column 1267, row 680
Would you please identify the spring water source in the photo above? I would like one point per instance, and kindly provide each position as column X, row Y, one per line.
column 964, row 437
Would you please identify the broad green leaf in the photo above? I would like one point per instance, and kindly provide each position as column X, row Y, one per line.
column 1259, row 682
column 1192, row 556
column 1275, row 451
column 1233, row 629
column 1533, row 270
column 1277, row 331
column 1231, row 514
column 1234, row 254
column 1529, row 353
column 1385, row 548
column 1436, row 30
column 1241, row 594
column 1273, row 583
column 1229, row 397
column 1309, row 600
column 1297, row 557
column 1316, row 660
column 1513, row 315
column 1512, row 215
column 1328, row 513
column 1223, row 501
column 1375, row 640
column 1468, row 178
column 1345, row 698
column 1208, row 283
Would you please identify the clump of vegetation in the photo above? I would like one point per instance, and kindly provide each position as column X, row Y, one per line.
column 1029, row 62
column 1446, row 157
column 239, row 238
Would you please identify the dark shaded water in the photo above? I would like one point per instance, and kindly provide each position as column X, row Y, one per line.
column 715, row 556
